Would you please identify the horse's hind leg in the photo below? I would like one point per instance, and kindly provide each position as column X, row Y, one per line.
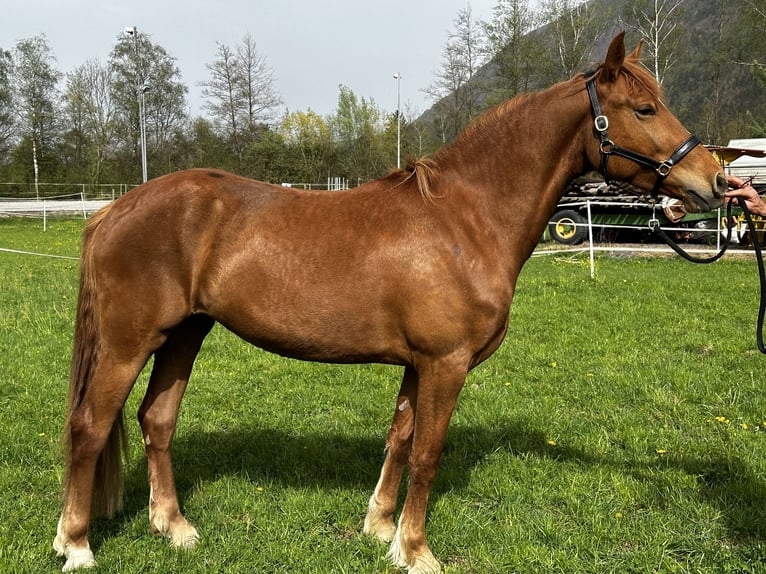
column 94, row 430
column 158, row 413
column 379, row 521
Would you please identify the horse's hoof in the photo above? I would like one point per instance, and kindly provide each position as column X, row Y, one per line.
column 426, row 564
column 382, row 529
column 423, row 563
column 78, row 558
column 185, row 537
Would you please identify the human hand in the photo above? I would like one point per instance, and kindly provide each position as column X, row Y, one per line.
column 743, row 189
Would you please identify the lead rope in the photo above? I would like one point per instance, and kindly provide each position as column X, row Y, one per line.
column 655, row 226
column 761, row 275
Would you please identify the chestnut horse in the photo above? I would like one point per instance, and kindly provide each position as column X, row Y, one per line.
column 416, row 269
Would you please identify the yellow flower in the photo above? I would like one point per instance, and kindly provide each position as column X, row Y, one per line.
column 743, row 426
column 661, row 451
column 551, row 442
column 554, row 364
column 722, row 420
column 618, row 514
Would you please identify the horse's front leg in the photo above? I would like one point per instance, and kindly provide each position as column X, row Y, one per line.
column 439, row 383
column 158, row 414
column 380, row 512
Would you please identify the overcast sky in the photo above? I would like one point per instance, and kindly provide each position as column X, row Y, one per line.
column 312, row 45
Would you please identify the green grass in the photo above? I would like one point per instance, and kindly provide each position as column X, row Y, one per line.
column 620, row 428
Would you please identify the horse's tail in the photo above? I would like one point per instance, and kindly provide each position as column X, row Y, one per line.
column 107, row 492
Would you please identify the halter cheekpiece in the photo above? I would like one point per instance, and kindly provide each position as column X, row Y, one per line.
column 609, row 148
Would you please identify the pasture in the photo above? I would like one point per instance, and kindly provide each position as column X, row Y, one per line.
column 621, row 427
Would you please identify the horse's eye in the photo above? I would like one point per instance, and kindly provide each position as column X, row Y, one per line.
column 646, row 111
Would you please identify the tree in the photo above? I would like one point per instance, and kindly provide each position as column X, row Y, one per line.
column 414, row 134
column 35, row 90
column 143, row 69
column 357, row 129
column 575, row 24
column 517, row 57
column 91, row 114
column 657, row 21
column 754, row 59
column 456, row 96
column 309, row 139
column 241, row 92
column 6, row 102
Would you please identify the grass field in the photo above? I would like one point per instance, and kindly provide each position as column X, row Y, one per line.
column 620, row 428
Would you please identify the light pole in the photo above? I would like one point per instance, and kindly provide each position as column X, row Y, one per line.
column 142, row 120
column 398, row 78
column 141, row 89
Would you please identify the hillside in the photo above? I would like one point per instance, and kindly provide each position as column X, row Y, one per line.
column 711, row 85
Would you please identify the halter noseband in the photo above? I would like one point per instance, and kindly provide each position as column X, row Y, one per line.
column 609, row 148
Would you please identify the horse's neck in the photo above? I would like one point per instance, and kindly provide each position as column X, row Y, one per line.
column 520, row 158
column 535, row 139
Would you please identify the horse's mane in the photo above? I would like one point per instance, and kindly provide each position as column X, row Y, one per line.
column 427, row 169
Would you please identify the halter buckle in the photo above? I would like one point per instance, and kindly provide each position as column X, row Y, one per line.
column 664, row 167
column 602, row 123
column 653, row 221
column 607, row 147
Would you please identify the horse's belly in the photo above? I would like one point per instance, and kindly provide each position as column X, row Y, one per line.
column 326, row 332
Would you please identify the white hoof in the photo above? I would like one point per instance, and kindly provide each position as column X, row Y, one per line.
column 77, row 558
column 425, row 563
column 180, row 533
column 184, row 537
column 380, row 527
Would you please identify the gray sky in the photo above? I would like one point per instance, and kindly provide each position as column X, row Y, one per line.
column 312, row 45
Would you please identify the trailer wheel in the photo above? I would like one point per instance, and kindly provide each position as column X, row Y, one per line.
column 568, row 227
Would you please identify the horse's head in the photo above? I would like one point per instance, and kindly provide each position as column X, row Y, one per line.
column 638, row 140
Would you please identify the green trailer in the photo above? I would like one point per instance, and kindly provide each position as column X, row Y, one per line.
column 615, row 208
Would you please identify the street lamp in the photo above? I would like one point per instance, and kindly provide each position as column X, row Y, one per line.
column 398, row 78
column 141, row 88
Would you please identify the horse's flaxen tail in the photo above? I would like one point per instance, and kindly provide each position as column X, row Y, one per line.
column 107, row 492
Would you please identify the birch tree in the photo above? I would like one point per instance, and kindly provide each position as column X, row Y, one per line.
column 575, row 24
column 6, row 101
column 35, row 94
column 659, row 23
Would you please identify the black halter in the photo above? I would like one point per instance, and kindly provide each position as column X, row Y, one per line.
column 609, row 148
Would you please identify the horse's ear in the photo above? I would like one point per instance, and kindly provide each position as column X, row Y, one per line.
column 610, row 69
column 636, row 54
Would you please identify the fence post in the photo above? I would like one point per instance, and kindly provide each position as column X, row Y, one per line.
column 590, row 243
column 45, row 218
column 719, row 230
